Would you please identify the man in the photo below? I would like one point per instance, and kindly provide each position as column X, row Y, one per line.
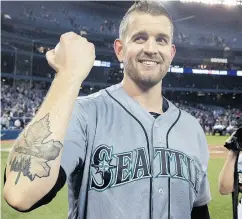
column 127, row 153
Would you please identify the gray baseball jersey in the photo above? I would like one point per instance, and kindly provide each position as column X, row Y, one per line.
column 121, row 162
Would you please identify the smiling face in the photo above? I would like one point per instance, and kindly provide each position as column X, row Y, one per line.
column 146, row 50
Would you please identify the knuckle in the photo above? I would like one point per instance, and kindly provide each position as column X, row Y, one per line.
column 47, row 54
column 62, row 37
column 67, row 35
column 92, row 46
column 72, row 34
column 83, row 39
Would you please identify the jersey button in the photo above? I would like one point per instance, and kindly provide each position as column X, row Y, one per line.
column 161, row 191
column 156, row 125
column 159, row 140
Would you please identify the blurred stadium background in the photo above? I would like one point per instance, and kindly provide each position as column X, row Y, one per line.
column 205, row 78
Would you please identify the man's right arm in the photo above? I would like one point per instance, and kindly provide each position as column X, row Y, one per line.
column 34, row 163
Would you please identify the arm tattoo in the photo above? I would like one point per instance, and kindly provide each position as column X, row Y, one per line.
column 31, row 152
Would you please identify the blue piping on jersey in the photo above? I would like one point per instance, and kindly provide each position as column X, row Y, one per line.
column 86, row 200
column 169, row 180
column 148, row 148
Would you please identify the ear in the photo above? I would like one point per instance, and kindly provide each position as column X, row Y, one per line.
column 173, row 50
column 118, row 48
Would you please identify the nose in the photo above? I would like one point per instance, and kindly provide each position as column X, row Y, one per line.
column 151, row 47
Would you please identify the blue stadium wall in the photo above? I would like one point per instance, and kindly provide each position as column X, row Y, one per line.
column 10, row 134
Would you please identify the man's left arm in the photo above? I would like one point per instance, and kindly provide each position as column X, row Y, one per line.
column 200, row 206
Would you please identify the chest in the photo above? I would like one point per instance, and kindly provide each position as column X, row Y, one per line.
column 125, row 148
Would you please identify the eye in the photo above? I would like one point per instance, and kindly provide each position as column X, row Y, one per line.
column 161, row 40
column 140, row 39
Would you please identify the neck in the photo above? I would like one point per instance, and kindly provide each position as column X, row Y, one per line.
column 149, row 98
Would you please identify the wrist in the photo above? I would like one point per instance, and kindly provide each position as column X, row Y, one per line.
column 232, row 154
column 64, row 78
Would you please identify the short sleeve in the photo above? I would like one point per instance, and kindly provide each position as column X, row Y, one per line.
column 204, row 193
column 75, row 141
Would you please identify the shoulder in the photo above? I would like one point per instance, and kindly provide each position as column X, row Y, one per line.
column 97, row 97
column 96, row 102
column 188, row 125
column 189, row 121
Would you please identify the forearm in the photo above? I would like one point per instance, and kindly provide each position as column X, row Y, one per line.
column 226, row 177
column 59, row 103
column 33, row 165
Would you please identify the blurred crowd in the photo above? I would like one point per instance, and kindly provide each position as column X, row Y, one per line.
column 96, row 20
column 202, row 81
column 19, row 104
column 182, row 38
column 41, row 20
column 213, row 40
column 209, row 116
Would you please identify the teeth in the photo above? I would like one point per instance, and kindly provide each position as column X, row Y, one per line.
column 149, row 62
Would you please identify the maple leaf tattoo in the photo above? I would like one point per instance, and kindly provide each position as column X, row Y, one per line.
column 31, row 154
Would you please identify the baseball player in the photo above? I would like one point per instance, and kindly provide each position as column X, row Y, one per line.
column 126, row 151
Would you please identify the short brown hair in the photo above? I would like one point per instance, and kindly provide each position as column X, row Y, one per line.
column 154, row 8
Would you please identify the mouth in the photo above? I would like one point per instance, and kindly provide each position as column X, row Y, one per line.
column 149, row 62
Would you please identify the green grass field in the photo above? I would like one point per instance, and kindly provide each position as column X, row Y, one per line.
column 216, row 140
column 220, row 207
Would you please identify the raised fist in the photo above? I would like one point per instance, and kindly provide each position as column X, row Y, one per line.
column 73, row 55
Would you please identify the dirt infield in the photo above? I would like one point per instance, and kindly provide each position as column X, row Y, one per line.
column 7, row 141
column 218, row 151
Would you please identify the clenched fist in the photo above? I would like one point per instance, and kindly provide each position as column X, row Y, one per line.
column 73, row 55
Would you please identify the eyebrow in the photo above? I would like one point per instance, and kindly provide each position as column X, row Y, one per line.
column 144, row 33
